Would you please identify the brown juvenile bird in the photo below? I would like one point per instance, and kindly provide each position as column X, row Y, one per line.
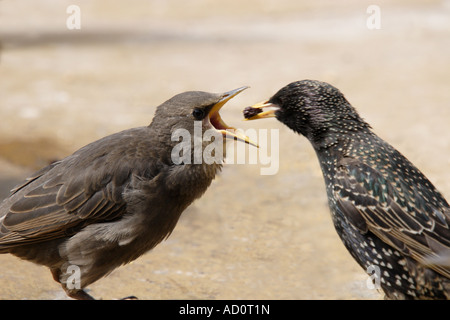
column 114, row 199
column 389, row 216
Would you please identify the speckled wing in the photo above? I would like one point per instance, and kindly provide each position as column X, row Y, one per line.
column 405, row 212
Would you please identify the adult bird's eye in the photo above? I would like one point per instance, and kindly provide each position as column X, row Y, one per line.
column 198, row 114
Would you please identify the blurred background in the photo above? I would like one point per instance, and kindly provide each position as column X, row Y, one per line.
column 251, row 236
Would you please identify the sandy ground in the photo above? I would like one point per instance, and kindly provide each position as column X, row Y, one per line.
column 251, row 236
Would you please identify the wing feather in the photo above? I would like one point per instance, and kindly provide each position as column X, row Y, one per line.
column 84, row 188
column 51, row 206
column 414, row 220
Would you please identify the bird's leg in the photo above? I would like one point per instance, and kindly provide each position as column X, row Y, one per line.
column 78, row 294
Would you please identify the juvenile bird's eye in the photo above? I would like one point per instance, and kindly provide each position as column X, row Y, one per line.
column 198, row 114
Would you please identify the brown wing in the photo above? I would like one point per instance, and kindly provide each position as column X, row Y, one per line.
column 54, row 203
column 412, row 217
column 84, row 188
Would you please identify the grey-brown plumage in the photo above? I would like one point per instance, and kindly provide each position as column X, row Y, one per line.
column 390, row 217
column 114, row 199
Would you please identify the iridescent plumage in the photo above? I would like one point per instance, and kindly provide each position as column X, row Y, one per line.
column 388, row 214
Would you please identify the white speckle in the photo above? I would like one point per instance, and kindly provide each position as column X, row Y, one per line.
column 411, row 293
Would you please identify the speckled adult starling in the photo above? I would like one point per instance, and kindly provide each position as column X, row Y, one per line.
column 114, row 199
column 389, row 216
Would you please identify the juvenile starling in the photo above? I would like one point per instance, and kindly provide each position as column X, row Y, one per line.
column 389, row 216
column 114, row 199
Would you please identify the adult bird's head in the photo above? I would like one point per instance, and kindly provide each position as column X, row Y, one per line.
column 312, row 108
column 194, row 115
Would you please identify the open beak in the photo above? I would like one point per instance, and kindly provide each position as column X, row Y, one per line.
column 256, row 111
column 217, row 122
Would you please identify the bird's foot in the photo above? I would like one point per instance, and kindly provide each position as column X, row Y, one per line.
column 130, row 298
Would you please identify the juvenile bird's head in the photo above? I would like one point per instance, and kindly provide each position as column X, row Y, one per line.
column 312, row 108
column 193, row 118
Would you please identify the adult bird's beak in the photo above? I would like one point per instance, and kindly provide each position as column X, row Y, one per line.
column 217, row 122
column 255, row 111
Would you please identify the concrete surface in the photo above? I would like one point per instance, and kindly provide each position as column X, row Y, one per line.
column 251, row 236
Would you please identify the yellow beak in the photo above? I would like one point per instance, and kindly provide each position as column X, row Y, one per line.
column 217, row 122
column 255, row 111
